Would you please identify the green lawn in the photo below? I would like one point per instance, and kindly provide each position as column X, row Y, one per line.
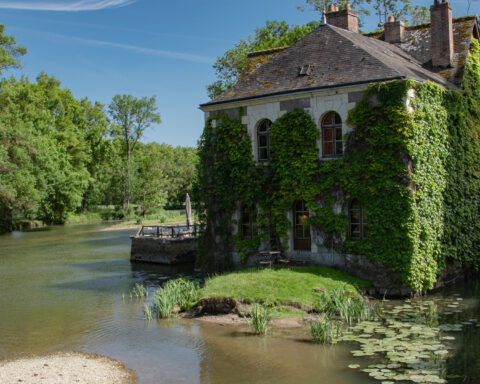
column 279, row 286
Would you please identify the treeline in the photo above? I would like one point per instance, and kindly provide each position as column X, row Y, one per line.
column 60, row 155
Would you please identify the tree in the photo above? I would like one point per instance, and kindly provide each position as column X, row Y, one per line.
column 322, row 5
column 10, row 53
column 400, row 9
column 419, row 15
column 131, row 117
column 274, row 34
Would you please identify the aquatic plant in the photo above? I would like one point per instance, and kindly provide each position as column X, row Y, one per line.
column 347, row 304
column 258, row 318
column 324, row 330
column 139, row 291
column 163, row 302
column 147, row 312
column 179, row 292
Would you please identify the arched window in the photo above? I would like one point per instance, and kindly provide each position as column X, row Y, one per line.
column 332, row 142
column 263, row 140
column 357, row 221
column 248, row 221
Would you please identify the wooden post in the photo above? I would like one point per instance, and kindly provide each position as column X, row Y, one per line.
column 158, row 231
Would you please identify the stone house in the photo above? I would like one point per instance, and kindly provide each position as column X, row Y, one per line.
column 326, row 74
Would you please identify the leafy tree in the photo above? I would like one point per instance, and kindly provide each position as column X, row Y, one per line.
column 274, row 34
column 10, row 53
column 400, row 9
column 131, row 117
column 419, row 15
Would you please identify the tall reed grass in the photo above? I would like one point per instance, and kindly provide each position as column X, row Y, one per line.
column 324, row 330
column 180, row 292
column 258, row 318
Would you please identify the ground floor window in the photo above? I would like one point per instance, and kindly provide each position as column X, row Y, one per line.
column 248, row 221
column 301, row 228
column 357, row 218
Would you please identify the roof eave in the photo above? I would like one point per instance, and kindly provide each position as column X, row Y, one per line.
column 298, row 91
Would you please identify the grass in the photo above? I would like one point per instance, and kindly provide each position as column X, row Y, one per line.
column 280, row 286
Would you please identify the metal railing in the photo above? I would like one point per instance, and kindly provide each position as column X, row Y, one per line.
column 168, row 231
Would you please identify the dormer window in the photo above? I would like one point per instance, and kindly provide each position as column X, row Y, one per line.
column 332, row 138
column 263, row 140
column 306, row 70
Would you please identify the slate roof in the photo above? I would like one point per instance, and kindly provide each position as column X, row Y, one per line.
column 339, row 57
column 417, row 44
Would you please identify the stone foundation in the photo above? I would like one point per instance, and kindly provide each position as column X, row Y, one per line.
column 163, row 251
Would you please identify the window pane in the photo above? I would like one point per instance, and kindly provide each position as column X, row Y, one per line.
column 327, row 134
column 338, row 133
column 327, row 149
column 355, row 216
column 338, row 120
column 299, row 231
column 262, row 127
column 263, row 142
column 355, row 230
column 263, row 154
column 246, row 232
column 327, row 120
column 338, row 147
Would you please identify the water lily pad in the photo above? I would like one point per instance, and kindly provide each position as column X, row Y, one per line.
column 354, row 366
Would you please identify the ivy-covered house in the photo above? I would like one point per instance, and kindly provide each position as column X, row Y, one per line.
column 357, row 151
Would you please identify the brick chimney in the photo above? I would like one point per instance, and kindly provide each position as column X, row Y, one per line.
column 346, row 18
column 394, row 30
column 442, row 34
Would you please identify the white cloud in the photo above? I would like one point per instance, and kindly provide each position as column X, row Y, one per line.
column 63, row 5
column 147, row 51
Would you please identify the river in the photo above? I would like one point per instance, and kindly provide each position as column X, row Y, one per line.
column 67, row 288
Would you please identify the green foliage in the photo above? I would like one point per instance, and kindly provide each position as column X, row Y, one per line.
column 324, row 330
column 412, row 162
column 274, row 34
column 293, row 167
column 258, row 318
column 139, row 291
column 347, row 304
column 131, row 117
column 178, row 292
column 10, row 53
column 225, row 173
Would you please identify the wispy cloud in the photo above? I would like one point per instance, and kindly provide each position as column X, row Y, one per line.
column 126, row 47
column 63, row 5
column 147, row 51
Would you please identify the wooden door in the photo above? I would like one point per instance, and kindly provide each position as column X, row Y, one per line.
column 301, row 230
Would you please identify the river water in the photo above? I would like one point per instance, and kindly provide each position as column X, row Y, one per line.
column 67, row 288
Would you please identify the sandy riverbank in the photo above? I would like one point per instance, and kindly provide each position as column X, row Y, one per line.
column 65, row 367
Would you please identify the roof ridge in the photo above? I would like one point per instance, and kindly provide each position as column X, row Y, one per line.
column 267, row 51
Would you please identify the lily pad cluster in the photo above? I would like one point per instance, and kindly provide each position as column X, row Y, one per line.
column 407, row 344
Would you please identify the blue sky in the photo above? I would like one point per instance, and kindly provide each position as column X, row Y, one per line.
column 99, row 48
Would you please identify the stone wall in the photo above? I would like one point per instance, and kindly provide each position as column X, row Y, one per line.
column 163, row 251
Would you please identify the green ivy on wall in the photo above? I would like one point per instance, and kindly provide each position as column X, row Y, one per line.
column 412, row 162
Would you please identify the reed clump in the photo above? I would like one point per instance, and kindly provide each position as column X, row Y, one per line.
column 348, row 305
column 179, row 293
column 139, row 291
column 258, row 318
column 324, row 330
